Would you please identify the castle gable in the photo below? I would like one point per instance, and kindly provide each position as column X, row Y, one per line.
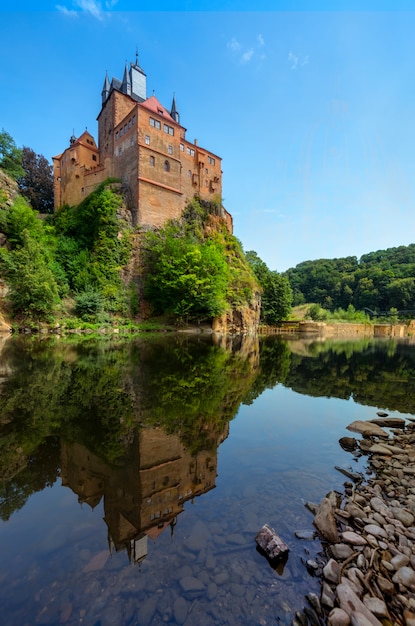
column 153, row 105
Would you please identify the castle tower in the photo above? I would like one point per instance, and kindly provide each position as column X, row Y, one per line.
column 106, row 89
column 138, row 81
column 174, row 112
column 126, row 82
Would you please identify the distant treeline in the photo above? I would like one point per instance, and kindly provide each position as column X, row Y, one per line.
column 379, row 281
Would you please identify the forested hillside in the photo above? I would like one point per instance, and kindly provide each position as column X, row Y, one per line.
column 378, row 280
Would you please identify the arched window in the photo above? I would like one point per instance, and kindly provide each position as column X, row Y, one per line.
column 166, row 166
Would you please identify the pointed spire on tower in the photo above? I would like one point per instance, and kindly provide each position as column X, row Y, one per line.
column 174, row 112
column 126, row 81
column 106, row 89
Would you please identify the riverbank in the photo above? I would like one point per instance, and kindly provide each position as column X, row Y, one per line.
column 367, row 568
column 340, row 329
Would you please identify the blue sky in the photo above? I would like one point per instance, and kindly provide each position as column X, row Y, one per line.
column 312, row 111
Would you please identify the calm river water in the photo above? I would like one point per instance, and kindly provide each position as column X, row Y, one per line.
column 135, row 475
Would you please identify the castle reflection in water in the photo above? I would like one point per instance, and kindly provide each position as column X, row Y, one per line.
column 145, row 495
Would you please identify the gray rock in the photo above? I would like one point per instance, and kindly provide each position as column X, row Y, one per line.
column 271, row 543
column 191, row 584
column 338, row 617
column 328, row 596
column 385, row 585
column 405, row 576
column 403, row 516
column 325, row 522
column 376, row 606
column 350, row 536
column 399, row 560
column 352, row 605
column 222, row 577
column 147, row 610
column 305, row 534
column 180, row 610
column 340, row 551
column 376, row 531
column 212, row 591
column 331, row 571
column 367, row 429
column 390, row 422
column 358, row 619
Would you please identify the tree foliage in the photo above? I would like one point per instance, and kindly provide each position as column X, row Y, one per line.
column 276, row 291
column 194, row 268
column 79, row 251
column 36, row 184
column 10, row 156
column 184, row 277
column 378, row 281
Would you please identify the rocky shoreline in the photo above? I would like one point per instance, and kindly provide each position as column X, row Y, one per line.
column 367, row 567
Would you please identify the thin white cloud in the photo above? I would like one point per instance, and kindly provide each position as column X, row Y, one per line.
column 296, row 61
column 247, row 56
column 293, row 60
column 93, row 7
column 66, row 11
column 234, row 45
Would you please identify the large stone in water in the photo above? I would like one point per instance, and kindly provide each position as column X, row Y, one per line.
column 325, row 522
column 390, row 422
column 367, row 429
column 271, row 543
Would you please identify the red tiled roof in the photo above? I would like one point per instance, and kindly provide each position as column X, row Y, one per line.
column 152, row 104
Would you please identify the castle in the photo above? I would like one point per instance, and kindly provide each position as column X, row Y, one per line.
column 144, row 145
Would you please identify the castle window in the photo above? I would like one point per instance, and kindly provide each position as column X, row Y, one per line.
column 133, row 118
column 211, row 160
column 189, row 173
column 94, row 157
column 181, row 147
column 206, row 170
column 206, row 183
column 155, row 123
column 147, row 140
column 168, row 129
column 190, row 151
column 132, row 141
column 129, row 123
column 120, row 151
column 116, row 135
column 166, row 166
column 83, row 190
column 120, row 132
column 170, row 149
column 152, row 161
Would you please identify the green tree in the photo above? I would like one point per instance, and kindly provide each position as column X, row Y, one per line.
column 33, row 288
column 276, row 290
column 184, row 277
column 10, row 156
